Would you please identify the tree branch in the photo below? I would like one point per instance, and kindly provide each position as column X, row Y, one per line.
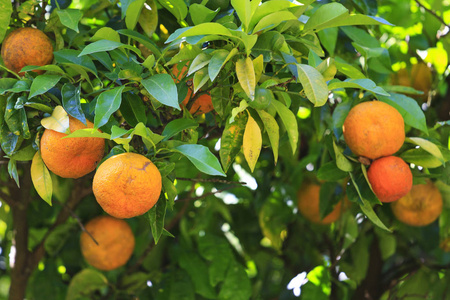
column 439, row 18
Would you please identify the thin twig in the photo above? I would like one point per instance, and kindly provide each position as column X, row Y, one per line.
column 207, row 194
column 211, row 180
column 433, row 13
column 75, row 216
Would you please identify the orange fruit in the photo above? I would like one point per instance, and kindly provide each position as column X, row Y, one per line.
column 419, row 77
column 71, row 157
column 115, row 243
column 420, row 207
column 203, row 103
column 127, row 185
column 25, row 47
column 308, row 205
column 374, row 129
column 390, row 178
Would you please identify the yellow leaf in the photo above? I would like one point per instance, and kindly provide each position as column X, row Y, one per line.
column 41, row 178
column 58, row 121
column 246, row 75
column 252, row 142
column 258, row 64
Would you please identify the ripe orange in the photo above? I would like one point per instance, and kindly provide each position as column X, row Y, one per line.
column 390, row 178
column 308, row 204
column 71, row 157
column 420, row 207
column 374, row 129
column 127, row 185
column 115, row 243
column 203, row 103
column 25, row 47
column 419, row 78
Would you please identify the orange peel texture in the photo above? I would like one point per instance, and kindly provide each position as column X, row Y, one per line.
column 390, row 178
column 374, row 129
column 127, row 185
column 71, row 157
column 25, row 47
column 115, row 243
column 420, row 207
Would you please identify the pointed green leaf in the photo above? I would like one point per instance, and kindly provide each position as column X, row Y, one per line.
column 427, row 146
column 202, row 158
column 70, row 17
column 313, row 83
column 290, row 123
column 176, row 126
column 163, row 89
column 273, row 131
column 108, row 103
column 42, row 83
column 199, row 62
column 71, row 101
column 156, row 217
column 244, row 12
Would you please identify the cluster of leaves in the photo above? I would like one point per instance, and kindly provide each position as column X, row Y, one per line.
column 278, row 74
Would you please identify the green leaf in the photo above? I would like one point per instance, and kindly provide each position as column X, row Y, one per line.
column 273, row 131
column 42, row 83
column 231, row 141
column 341, row 161
column 330, row 172
column 245, row 73
column 201, row 14
column 104, row 46
column 41, row 178
column 176, row 126
column 218, row 60
column 269, row 7
column 237, row 285
column 365, row 84
column 58, row 237
column 24, row 154
column 200, row 79
column 199, row 62
column 71, row 101
column 170, row 191
column 133, row 109
column 427, row 146
column 133, row 13
column 197, row 269
column 70, row 18
column 409, row 109
column 156, row 217
column 149, row 138
column 105, row 33
column 336, row 15
column 144, row 40
column 12, row 170
column 70, row 56
column 218, row 252
column 108, row 103
column 5, row 17
column 244, row 12
column 176, row 7
column 313, row 83
column 84, row 283
column 148, row 19
column 290, row 123
column 274, row 19
column 201, row 29
column 162, row 87
column 202, row 158
column 421, row 157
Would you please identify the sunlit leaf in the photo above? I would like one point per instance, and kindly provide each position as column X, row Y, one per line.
column 245, row 73
column 252, row 142
column 40, row 176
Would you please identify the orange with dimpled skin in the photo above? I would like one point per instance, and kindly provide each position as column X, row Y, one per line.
column 127, row 185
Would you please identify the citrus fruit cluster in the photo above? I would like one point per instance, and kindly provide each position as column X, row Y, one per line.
column 376, row 130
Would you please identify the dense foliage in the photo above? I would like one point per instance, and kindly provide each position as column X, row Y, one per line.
column 282, row 76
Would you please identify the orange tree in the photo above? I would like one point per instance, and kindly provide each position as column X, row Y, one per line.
column 281, row 77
